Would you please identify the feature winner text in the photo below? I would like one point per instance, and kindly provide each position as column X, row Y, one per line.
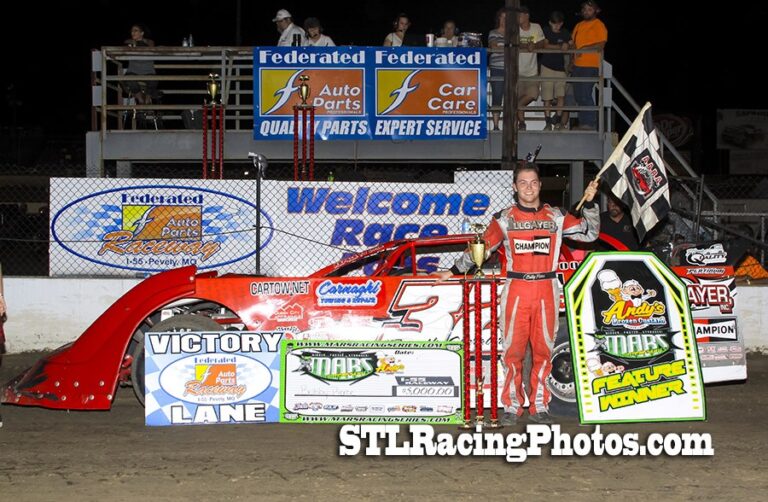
column 640, row 385
column 434, row 127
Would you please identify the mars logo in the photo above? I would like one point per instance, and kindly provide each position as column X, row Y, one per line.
column 644, row 177
column 334, row 91
column 633, row 346
column 630, row 308
column 337, row 366
column 427, row 92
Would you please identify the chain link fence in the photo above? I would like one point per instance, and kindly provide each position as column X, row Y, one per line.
column 336, row 217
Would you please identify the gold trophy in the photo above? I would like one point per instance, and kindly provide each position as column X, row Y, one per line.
column 213, row 86
column 304, row 89
column 477, row 249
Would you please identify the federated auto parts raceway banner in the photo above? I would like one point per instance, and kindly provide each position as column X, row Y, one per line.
column 372, row 92
column 634, row 350
column 128, row 227
column 334, row 219
column 211, row 377
column 358, row 382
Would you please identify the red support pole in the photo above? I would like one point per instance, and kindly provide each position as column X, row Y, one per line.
column 479, row 408
column 312, row 144
column 466, row 339
column 214, row 136
column 205, row 141
column 221, row 141
column 494, row 353
column 295, row 143
column 304, row 124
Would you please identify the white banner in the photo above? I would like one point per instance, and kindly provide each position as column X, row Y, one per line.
column 138, row 226
column 321, row 222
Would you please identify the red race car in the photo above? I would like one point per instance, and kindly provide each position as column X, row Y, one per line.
column 384, row 293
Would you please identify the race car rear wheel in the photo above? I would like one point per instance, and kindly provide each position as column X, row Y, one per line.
column 180, row 323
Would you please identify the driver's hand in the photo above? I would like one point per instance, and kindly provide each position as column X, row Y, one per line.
column 443, row 275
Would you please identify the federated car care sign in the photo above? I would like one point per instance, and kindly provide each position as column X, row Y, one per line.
column 211, row 377
column 371, row 92
column 633, row 342
column 124, row 227
column 398, row 382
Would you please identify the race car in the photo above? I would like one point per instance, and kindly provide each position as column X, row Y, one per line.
column 384, row 293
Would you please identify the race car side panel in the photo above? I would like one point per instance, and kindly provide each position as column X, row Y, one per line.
column 83, row 375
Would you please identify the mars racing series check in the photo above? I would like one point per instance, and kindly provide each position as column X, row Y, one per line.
column 371, row 382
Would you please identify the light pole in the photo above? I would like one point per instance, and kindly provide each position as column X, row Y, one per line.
column 260, row 164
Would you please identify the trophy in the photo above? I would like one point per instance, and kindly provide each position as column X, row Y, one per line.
column 213, row 86
column 477, row 248
column 304, row 89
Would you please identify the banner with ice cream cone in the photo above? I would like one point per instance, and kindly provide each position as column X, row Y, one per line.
column 632, row 339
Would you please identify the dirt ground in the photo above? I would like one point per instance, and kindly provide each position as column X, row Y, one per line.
column 55, row 455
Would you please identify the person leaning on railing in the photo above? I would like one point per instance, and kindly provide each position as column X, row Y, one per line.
column 553, row 65
column 589, row 33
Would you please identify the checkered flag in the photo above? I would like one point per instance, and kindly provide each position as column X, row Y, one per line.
column 635, row 173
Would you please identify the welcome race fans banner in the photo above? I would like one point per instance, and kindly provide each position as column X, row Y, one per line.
column 372, row 92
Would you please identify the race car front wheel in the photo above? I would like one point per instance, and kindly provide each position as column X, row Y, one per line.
column 179, row 323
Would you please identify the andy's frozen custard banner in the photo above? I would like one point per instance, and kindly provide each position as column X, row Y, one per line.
column 633, row 344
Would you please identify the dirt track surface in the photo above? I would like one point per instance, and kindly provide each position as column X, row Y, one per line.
column 55, row 455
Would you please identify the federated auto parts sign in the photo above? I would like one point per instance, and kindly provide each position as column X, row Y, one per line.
column 372, row 92
column 115, row 226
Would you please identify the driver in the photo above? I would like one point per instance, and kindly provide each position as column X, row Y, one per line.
column 531, row 233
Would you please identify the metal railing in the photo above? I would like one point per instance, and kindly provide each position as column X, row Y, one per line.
column 181, row 73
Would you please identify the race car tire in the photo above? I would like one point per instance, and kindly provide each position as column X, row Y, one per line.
column 561, row 383
column 185, row 322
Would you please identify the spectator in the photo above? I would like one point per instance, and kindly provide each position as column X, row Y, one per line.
column 496, row 63
column 315, row 37
column 531, row 38
column 284, row 22
column 142, row 91
column 590, row 33
column 450, row 33
column 399, row 26
column 616, row 224
column 553, row 65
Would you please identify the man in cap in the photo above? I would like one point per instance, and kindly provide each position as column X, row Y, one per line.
column 287, row 29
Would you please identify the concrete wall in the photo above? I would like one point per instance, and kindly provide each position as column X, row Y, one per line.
column 46, row 313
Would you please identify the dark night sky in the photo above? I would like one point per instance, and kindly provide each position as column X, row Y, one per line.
column 660, row 50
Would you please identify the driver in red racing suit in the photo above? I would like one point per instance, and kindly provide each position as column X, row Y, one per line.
column 531, row 233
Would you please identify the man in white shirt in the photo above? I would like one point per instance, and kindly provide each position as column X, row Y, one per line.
column 315, row 37
column 531, row 38
column 287, row 29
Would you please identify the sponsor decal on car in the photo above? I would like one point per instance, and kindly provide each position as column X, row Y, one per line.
column 714, row 254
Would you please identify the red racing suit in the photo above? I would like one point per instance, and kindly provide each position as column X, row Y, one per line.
column 531, row 297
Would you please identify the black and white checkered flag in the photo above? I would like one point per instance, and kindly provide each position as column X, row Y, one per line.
column 635, row 173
